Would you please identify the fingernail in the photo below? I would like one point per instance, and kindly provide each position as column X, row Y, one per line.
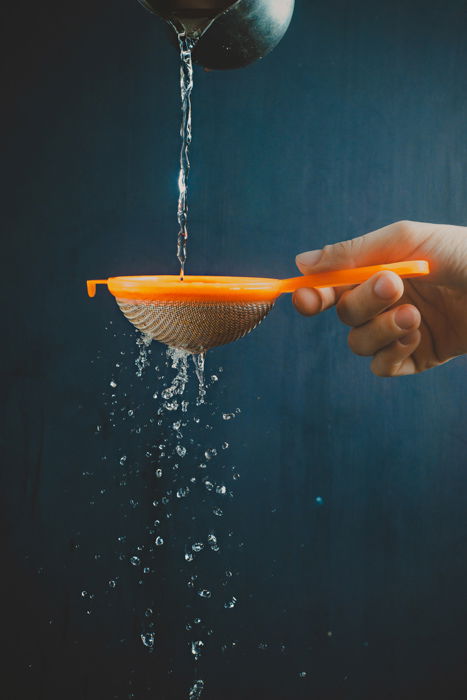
column 404, row 318
column 309, row 259
column 384, row 287
column 408, row 339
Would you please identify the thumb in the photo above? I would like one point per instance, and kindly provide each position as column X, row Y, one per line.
column 385, row 245
column 445, row 248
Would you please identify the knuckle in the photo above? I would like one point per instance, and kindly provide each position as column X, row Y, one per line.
column 407, row 231
column 343, row 251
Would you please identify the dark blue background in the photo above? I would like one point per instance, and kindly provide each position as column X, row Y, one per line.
column 357, row 119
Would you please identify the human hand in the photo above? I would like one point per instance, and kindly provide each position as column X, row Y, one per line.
column 408, row 325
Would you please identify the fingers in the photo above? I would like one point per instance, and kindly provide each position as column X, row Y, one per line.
column 385, row 329
column 396, row 360
column 355, row 305
column 359, row 305
column 312, row 301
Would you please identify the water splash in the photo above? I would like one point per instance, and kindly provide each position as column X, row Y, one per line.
column 199, row 362
column 188, row 469
column 186, row 86
column 179, row 361
column 196, row 690
column 142, row 361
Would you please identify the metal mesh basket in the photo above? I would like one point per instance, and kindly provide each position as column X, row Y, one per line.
column 194, row 326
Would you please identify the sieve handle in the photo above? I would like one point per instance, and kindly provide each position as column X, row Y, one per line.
column 341, row 278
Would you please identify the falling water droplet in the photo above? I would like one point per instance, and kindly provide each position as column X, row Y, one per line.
column 230, row 603
column 196, row 648
column 196, row 690
column 204, row 593
column 148, row 640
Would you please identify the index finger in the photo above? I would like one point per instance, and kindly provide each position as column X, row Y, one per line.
column 370, row 298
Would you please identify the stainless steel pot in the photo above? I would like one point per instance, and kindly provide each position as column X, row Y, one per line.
column 229, row 34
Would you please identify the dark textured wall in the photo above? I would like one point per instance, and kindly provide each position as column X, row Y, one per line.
column 356, row 120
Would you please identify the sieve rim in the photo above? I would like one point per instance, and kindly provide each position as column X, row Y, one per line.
column 193, row 288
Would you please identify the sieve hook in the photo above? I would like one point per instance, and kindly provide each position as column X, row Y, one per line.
column 91, row 286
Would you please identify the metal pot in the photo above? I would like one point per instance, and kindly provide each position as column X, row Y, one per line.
column 229, row 34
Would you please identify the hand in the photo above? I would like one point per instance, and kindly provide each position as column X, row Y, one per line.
column 409, row 325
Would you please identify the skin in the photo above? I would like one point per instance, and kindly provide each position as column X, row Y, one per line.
column 406, row 326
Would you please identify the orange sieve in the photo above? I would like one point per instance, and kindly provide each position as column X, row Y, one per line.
column 199, row 313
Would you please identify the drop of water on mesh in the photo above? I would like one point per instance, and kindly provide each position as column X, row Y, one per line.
column 136, row 561
column 230, row 603
column 159, row 541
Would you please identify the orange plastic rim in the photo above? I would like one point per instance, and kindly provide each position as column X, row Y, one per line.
column 246, row 289
column 192, row 288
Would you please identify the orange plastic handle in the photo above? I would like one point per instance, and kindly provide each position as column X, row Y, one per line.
column 341, row 278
